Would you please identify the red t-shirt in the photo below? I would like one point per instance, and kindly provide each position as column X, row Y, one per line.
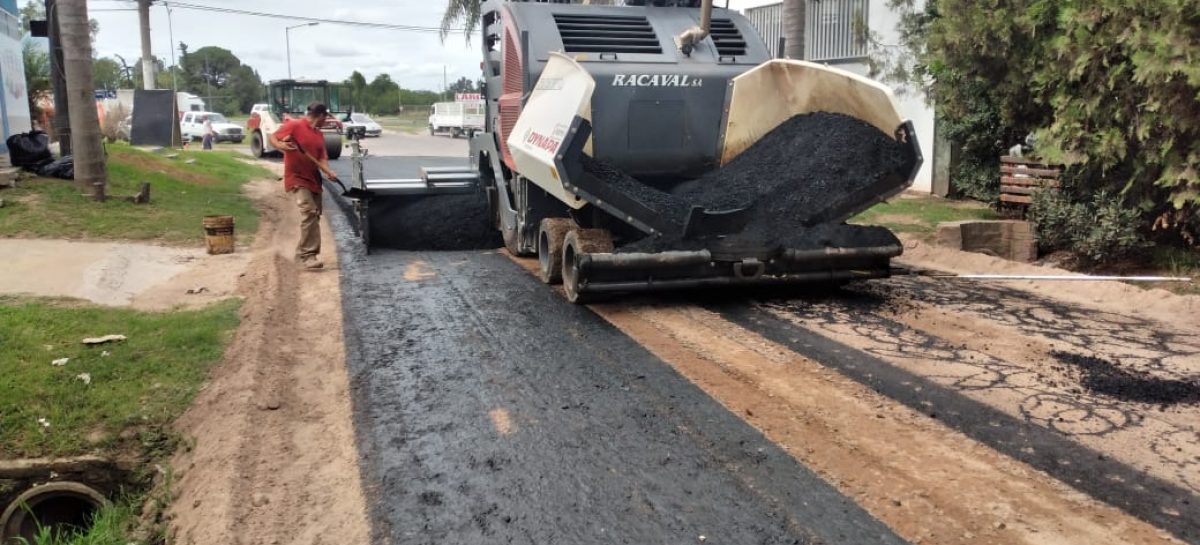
column 298, row 170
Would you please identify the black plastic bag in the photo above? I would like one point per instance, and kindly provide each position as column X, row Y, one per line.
column 63, row 168
column 29, row 149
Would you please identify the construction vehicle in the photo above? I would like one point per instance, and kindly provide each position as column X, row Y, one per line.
column 288, row 99
column 664, row 91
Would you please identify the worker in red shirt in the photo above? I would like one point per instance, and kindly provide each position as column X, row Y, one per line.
column 304, row 159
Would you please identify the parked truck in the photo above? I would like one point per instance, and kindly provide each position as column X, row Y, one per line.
column 456, row 118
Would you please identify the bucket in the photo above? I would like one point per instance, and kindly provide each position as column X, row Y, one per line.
column 218, row 234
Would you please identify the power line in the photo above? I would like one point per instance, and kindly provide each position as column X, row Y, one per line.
column 235, row 11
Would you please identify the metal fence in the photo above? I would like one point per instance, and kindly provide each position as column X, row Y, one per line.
column 833, row 28
column 768, row 20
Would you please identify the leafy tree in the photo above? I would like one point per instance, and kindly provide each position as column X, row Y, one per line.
column 1123, row 80
column 464, row 85
column 107, row 73
column 382, row 95
column 215, row 71
column 358, row 87
column 1110, row 87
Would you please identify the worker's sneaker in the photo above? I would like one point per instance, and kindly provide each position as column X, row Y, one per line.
column 311, row 263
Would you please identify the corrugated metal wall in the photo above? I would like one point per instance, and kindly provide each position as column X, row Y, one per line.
column 768, row 20
column 829, row 31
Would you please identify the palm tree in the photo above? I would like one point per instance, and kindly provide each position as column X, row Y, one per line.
column 793, row 29
column 464, row 12
column 86, row 146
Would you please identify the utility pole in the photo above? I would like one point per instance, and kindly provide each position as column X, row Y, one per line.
column 58, row 81
column 147, row 55
column 174, row 68
column 86, row 142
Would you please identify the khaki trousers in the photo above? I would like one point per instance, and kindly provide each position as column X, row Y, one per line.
column 309, row 204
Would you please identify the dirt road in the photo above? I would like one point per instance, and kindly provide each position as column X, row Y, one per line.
column 488, row 409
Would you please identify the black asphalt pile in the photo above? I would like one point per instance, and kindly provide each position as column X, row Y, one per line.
column 803, row 179
column 442, row 222
column 663, row 203
column 1103, row 377
column 807, row 165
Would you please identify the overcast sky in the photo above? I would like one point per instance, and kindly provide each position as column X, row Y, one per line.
column 327, row 51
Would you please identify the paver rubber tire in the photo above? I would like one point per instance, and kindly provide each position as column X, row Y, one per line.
column 579, row 242
column 256, row 144
column 551, row 234
column 333, row 146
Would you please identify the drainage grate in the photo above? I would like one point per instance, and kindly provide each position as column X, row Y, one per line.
column 606, row 34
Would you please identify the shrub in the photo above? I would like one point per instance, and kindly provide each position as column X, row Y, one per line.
column 1098, row 231
column 1109, row 231
column 1057, row 218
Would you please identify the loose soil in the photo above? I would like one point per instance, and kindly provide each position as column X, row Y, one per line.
column 274, row 457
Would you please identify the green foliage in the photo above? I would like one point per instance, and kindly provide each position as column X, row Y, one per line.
column 1110, row 232
column 383, row 96
column 110, row 525
column 921, row 215
column 1057, row 218
column 1100, row 230
column 180, row 195
column 1123, row 79
column 215, row 73
column 107, row 74
column 464, row 12
column 464, row 85
column 1112, row 88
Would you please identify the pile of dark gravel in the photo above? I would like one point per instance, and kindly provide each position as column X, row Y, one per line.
column 805, row 178
column 1100, row 376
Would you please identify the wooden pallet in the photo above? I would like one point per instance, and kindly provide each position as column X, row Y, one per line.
column 1021, row 177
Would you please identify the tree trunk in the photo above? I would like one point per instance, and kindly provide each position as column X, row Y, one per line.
column 86, row 144
column 793, row 28
column 62, row 120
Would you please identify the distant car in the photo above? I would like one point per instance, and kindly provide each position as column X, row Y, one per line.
column 365, row 121
column 260, row 107
column 192, row 127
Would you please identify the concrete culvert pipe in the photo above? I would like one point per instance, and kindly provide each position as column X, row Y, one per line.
column 61, row 505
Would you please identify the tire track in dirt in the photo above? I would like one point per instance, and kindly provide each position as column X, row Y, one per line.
column 928, row 483
column 274, row 458
column 843, row 342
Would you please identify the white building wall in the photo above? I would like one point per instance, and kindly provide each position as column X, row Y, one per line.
column 910, row 103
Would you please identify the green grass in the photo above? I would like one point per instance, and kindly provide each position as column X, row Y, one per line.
column 920, row 215
column 181, row 195
column 143, row 385
column 414, row 121
column 110, row 526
